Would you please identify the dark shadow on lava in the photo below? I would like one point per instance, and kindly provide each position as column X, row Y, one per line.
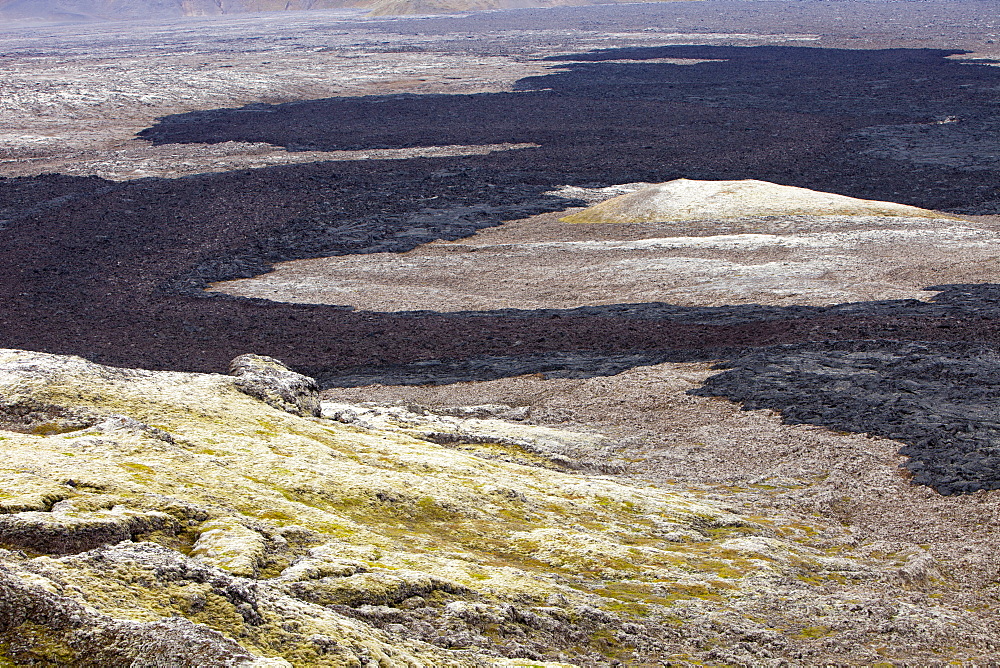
column 114, row 271
column 940, row 399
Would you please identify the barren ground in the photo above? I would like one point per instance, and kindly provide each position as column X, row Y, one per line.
column 542, row 263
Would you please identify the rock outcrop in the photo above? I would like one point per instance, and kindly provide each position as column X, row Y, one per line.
column 191, row 523
column 686, row 199
column 272, row 382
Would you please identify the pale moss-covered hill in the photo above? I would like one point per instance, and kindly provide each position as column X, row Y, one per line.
column 158, row 518
column 687, row 199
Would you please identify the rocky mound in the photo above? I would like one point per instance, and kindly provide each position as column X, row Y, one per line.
column 686, row 199
column 166, row 518
column 766, row 260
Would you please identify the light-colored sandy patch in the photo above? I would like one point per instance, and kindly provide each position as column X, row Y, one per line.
column 76, row 108
column 544, row 263
column 141, row 159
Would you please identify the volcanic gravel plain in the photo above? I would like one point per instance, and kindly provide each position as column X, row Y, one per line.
column 377, row 202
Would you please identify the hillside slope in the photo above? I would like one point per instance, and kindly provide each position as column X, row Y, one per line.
column 123, row 10
column 61, row 11
column 160, row 516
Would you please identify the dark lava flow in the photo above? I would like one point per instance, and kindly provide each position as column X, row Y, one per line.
column 114, row 271
column 940, row 398
column 784, row 114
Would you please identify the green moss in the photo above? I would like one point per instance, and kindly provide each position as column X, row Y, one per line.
column 181, row 542
column 217, row 613
column 53, row 428
column 632, row 609
column 137, row 467
column 430, row 509
column 506, row 532
column 495, row 451
column 32, row 644
column 722, row 569
column 814, row 632
column 605, row 642
column 721, row 533
column 812, row 579
column 615, row 505
column 634, row 597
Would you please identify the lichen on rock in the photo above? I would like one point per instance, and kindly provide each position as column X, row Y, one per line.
column 274, row 383
column 231, row 546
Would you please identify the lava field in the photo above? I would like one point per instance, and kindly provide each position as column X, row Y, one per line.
column 115, row 272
